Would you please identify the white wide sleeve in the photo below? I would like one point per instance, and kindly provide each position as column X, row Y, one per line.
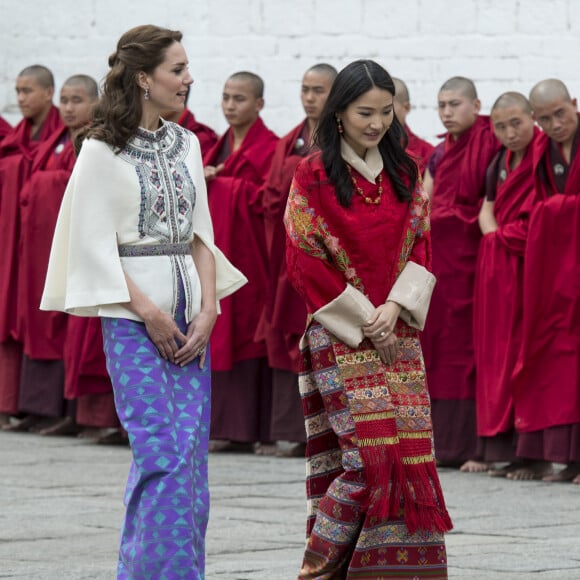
column 84, row 270
column 346, row 315
column 228, row 277
column 412, row 291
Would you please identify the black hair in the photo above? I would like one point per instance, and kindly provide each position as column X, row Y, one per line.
column 351, row 82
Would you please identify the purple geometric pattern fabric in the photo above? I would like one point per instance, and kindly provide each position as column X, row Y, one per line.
column 166, row 411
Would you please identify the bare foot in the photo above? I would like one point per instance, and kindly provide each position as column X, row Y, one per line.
column 569, row 473
column 531, row 470
column 576, row 480
column 26, row 424
column 114, row 437
column 505, row 470
column 225, row 446
column 265, row 449
column 94, row 433
column 290, row 449
column 65, row 426
column 472, row 466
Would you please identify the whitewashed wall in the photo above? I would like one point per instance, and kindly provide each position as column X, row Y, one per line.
column 501, row 44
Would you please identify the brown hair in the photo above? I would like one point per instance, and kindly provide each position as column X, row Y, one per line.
column 117, row 115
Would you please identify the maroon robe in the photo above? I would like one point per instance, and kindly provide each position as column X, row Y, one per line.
column 206, row 135
column 459, row 184
column 419, row 149
column 284, row 317
column 17, row 152
column 241, row 380
column 236, row 209
column 42, row 333
column 5, row 128
column 547, row 375
column 498, row 293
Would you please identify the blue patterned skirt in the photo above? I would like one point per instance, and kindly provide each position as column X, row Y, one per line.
column 166, row 411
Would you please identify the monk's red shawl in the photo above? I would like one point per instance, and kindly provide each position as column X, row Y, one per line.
column 459, row 184
column 547, row 375
column 41, row 332
column 17, row 153
column 235, row 205
column 498, row 293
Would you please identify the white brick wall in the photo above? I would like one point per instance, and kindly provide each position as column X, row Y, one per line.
column 501, row 44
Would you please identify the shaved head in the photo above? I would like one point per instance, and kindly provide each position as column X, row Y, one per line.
column 513, row 122
column 547, row 91
column 325, row 69
column 512, row 99
column 462, row 85
column 401, row 91
column 555, row 111
column 41, row 74
column 89, row 84
column 256, row 82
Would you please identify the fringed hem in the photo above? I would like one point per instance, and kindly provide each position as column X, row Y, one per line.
column 396, row 491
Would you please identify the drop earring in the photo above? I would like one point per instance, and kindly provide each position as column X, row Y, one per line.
column 147, row 94
column 339, row 126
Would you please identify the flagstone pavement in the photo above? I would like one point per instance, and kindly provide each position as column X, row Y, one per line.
column 61, row 510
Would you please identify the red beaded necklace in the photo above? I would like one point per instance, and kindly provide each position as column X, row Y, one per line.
column 358, row 189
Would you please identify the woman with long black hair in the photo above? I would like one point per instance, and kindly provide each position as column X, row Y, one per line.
column 359, row 254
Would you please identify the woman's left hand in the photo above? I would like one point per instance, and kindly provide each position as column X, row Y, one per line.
column 382, row 323
column 380, row 330
column 198, row 334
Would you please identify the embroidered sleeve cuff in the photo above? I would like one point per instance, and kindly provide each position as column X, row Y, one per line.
column 346, row 315
column 412, row 291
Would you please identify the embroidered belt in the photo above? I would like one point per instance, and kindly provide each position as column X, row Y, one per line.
column 130, row 251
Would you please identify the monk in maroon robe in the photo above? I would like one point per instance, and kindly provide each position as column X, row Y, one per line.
column 498, row 284
column 235, row 170
column 418, row 148
column 34, row 89
column 455, row 178
column 206, row 135
column 41, row 393
column 284, row 315
column 5, row 128
column 547, row 375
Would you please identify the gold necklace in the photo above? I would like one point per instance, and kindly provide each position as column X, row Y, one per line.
column 358, row 189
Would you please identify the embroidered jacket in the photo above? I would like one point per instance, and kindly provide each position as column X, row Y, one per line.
column 152, row 192
column 346, row 261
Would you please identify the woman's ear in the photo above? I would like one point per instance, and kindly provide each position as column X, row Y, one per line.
column 142, row 80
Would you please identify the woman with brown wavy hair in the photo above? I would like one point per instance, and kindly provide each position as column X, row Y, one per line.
column 134, row 245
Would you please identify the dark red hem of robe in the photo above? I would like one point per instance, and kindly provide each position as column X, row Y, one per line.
column 235, row 205
column 84, row 360
column 284, row 316
column 42, row 333
column 97, row 411
column 498, row 299
column 10, row 367
column 206, row 136
column 547, row 375
column 457, row 195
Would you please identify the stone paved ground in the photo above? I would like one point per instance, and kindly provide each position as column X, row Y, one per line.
column 61, row 509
